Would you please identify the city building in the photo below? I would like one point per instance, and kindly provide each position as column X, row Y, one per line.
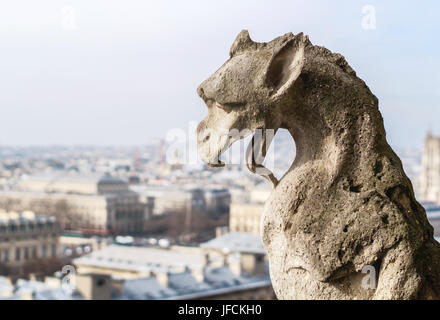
column 240, row 251
column 91, row 203
column 183, row 210
column 430, row 178
column 138, row 273
column 245, row 217
column 127, row 262
column 433, row 215
column 72, row 242
column 26, row 237
column 167, row 198
column 245, row 214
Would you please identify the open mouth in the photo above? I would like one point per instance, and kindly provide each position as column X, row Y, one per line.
column 216, row 162
column 224, row 140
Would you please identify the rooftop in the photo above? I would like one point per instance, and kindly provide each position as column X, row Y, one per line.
column 71, row 182
column 39, row 290
column 185, row 286
column 236, row 242
column 180, row 286
column 23, row 217
column 140, row 259
column 108, row 179
column 60, row 195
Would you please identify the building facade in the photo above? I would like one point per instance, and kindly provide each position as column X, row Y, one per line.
column 94, row 206
column 25, row 237
column 172, row 199
column 430, row 179
column 245, row 216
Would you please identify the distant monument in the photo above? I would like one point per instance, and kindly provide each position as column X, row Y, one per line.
column 430, row 179
column 343, row 222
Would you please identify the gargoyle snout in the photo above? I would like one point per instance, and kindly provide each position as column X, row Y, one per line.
column 203, row 134
column 204, row 92
column 201, row 92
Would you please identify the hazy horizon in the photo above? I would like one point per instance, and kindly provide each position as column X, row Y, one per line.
column 103, row 73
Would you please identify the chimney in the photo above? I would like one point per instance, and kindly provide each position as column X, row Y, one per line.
column 27, row 295
column 234, row 263
column 206, row 260
column 52, row 282
column 94, row 286
column 118, row 285
column 253, row 264
column 198, row 273
column 224, row 262
column 7, row 289
column 36, row 277
column 163, row 277
column 220, row 231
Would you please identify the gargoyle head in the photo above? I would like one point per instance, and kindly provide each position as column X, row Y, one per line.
column 246, row 92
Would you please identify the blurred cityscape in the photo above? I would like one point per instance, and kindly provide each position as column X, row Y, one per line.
column 124, row 223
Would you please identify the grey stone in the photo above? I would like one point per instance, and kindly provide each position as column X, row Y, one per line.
column 345, row 204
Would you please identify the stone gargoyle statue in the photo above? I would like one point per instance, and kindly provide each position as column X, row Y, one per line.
column 345, row 203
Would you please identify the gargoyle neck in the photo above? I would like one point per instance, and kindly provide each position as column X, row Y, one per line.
column 338, row 131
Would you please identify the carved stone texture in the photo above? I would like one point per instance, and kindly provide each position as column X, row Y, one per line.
column 345, row 205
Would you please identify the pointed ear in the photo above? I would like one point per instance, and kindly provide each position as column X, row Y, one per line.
column 241, row 43
column 286, row 65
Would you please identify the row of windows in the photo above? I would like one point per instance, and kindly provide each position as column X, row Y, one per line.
column 130, row 215
column 26, row 227
column 26, row 236
column 27, row 253
column 129, row 229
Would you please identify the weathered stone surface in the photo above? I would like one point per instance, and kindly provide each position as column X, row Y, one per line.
column 346, row 202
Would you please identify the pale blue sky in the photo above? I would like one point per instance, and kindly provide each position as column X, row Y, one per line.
column 125, row 72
